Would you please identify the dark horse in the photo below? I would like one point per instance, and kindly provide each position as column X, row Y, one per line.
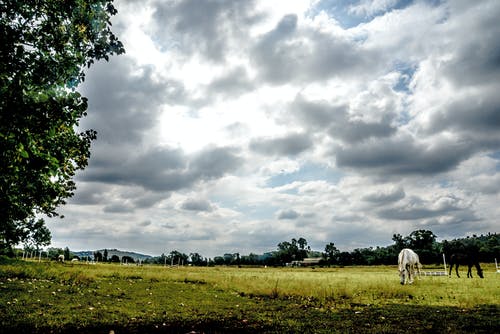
column 466, row 259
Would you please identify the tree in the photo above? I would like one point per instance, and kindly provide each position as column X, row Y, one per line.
column 296, row 250
column 331, row 254
column 32, row 232
column 53, row 253
column 176, row 257
column 127, row 259
column 399, row 241
column 423, row 242
column 67, row 253
column 105, row 256
column 197, row 259
column 422, row 239
column 45, row 48
column 98, row 256
column 39, row 235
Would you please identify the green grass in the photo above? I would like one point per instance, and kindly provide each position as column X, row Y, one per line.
column 53, row 297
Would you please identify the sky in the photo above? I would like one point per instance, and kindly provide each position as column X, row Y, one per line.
column 230, row 126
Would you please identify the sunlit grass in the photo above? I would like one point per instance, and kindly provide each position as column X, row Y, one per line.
column 54, row 294
column 368, row 285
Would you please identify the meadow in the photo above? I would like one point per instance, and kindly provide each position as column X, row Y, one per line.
column 110, row 298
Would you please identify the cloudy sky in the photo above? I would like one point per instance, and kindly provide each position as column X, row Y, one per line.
column 230, row 126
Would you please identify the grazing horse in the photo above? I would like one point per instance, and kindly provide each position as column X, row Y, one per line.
column 408, row 263
column 468, row 259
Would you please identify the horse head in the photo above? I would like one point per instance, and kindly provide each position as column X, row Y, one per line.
column 479, row 271
column 402, row 276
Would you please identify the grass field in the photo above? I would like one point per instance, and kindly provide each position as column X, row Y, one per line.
column 82, row 298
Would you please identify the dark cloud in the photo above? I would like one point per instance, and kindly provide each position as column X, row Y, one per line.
column 89, row 194
column 125, row 100
column 475, row 114
column 203, row 27
column 197, row 205
column 386, row 197
column 118, row 208
column 356, row 131
column 416, row 208
column 146, row 200
column 403, row 155
column 288, row 214
column 290, row 54
column 288, row 145
column 334, row 120
column 214, row 162
column 233, row 83
column 145, row 223
column 475, row 60
column 166, row 169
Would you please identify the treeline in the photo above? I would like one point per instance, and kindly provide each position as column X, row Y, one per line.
column 423, row 242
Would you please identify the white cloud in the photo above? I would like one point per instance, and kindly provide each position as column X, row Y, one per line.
column 280, row 122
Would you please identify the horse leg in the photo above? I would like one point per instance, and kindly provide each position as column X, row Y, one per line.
column 456, row 270
column 409, row 269
column 469, row 271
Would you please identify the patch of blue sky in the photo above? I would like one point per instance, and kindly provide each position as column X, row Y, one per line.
column 445, row 183
column 403, row 118
column 496, row 155
column 342, row 11
column 307, row 172
column 407, row 70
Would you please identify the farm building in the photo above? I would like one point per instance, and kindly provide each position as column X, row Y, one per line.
column 308, row 261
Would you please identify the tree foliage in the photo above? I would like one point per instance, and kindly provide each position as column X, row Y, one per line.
column 294, row 250
column 46, row 46
column 331, row 254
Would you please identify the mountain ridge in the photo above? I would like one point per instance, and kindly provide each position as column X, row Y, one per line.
column 113, row 251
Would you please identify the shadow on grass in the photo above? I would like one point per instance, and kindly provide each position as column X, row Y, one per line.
column 278, row 317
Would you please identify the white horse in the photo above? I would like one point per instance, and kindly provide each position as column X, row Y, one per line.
column 408, row 263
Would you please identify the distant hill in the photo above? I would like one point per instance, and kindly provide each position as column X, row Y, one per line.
column 111, row 252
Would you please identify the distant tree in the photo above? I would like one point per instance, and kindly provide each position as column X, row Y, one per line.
column 302, row 243
column 127, row 259
column 331, row 254
column 400, row 242
column 423, row 242
column 422, row 239
column 345, row 258
column 218, row 260
column 67, row 253
column 177, row 257
column 295, row 250
column 228, row 258
column 250, row 259
column 287, row 251
column 197, row 259
column 53, row 253
column 115, row 258
column 98, row 256
column 105, row 256
column 45, row 47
